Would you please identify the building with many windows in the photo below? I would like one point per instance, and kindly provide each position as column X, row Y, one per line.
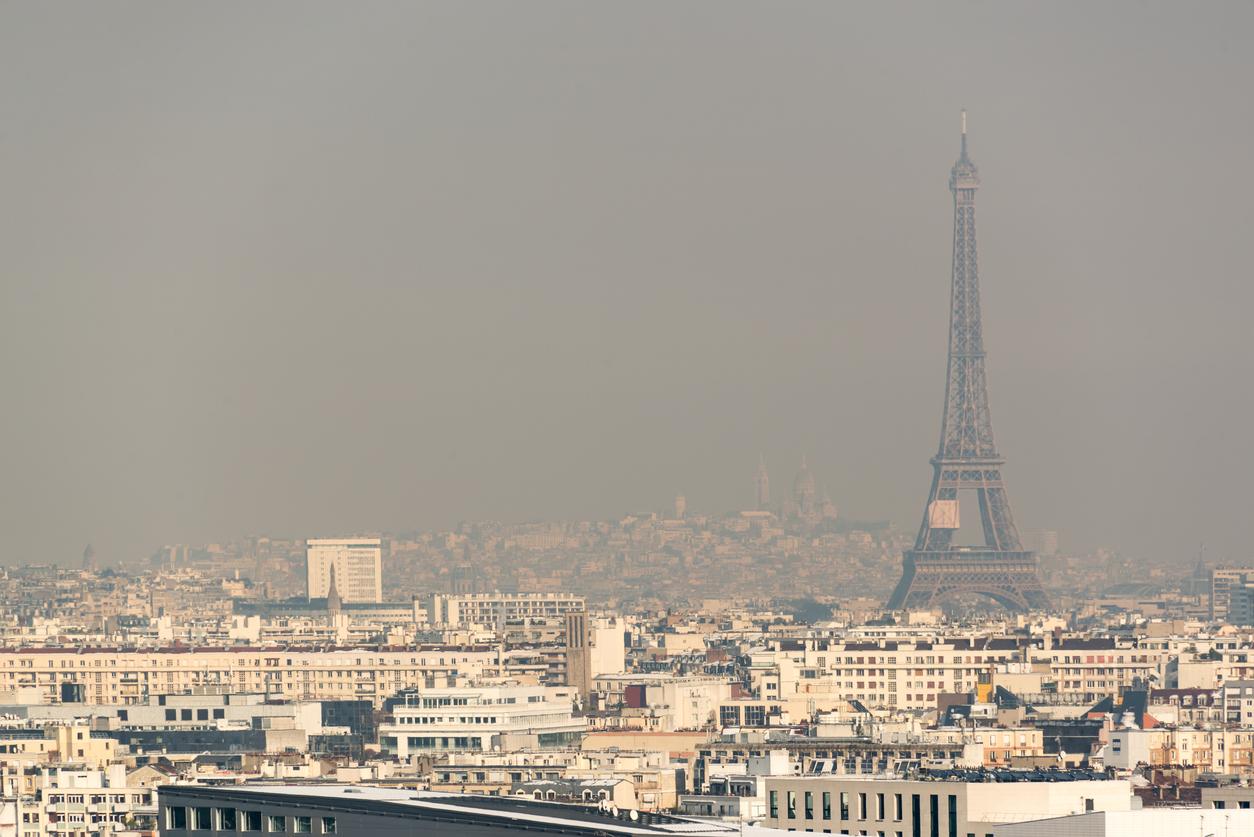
column 946, row 804
column 355, row 564
column 74, row 802
column 481, row 718
column 133, row 676
column 492, row 609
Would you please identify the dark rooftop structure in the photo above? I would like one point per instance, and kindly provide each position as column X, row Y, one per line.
column 393, row 812
column 995, row 775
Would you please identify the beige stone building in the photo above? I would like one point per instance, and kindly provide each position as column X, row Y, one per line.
column 130, row 676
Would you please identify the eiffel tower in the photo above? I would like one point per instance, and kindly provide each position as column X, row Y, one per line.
column 968, row 459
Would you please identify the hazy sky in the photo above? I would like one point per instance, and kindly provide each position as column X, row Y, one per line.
column 307, row 268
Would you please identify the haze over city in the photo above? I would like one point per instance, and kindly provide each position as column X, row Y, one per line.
column 337, row 268
column 626, row 418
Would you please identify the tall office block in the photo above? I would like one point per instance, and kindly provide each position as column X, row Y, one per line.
column 358, row 564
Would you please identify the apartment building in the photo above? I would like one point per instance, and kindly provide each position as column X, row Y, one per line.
column 883, row 673
column 1209, row 750
column 491, row 609
column 1002, row 746
column 1224, row 583
column 665, row 702
column 911, row 674
column 1097, row 667
column 132, row 676
column 25, row 743
column 74, row 802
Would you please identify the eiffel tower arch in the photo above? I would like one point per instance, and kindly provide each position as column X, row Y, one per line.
column 967, row 460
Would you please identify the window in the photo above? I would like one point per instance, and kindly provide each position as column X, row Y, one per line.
column 916, row 814
column 879, row 806
column 328, row 825
column 302, row 825
column 226, row 819
column 219, row 713
column 953, row 816
column 827, row 805
column 775, row 804
column 862, row 806
column 809, row 805
column 202, row 819
column 171, row 714
column 897, row 807
column 185, row 714
column 252, row 820
column 844, row 805
column 202, row 714
column 176, row 817
column 276, row 824
column 933, row 809
column 792, row 805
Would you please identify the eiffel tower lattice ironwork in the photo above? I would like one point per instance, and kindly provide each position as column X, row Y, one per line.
column 935, row 568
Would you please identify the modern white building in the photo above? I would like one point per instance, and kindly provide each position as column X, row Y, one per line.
column 483, row 718
column 357, row 565
column 1148, row 822
column 491, row 609
column 935, row 807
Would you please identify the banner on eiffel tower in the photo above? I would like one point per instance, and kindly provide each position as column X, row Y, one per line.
column 943, row 514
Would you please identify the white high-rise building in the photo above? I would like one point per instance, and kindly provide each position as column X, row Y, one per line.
column 358, row 566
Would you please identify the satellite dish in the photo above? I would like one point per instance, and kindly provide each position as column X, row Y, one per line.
column 614, row 810
column 634, row 816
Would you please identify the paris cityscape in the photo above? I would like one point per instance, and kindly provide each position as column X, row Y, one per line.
column 465, row 419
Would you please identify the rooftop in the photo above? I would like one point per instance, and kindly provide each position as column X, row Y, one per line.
column 979, row 776
column 517, row 812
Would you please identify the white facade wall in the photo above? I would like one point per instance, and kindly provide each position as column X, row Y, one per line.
column 1151, row 822
column 483, row 718
column 490, row 609
column 870, row 805
column 608, row 651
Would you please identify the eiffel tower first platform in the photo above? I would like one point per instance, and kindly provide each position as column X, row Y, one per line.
column 967, row 460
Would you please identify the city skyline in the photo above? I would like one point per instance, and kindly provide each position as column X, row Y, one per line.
column 464, row 418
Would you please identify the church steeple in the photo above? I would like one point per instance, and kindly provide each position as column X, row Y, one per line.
column 334, row 605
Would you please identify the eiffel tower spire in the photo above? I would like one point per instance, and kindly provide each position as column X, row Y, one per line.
column 967, row 458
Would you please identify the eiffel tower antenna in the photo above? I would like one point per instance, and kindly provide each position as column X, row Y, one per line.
column 967, row 459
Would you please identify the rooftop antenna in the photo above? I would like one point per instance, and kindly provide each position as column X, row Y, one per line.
column 964, row 133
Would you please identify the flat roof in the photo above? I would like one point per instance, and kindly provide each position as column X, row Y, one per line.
column 973, row 776
column 503, row 811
